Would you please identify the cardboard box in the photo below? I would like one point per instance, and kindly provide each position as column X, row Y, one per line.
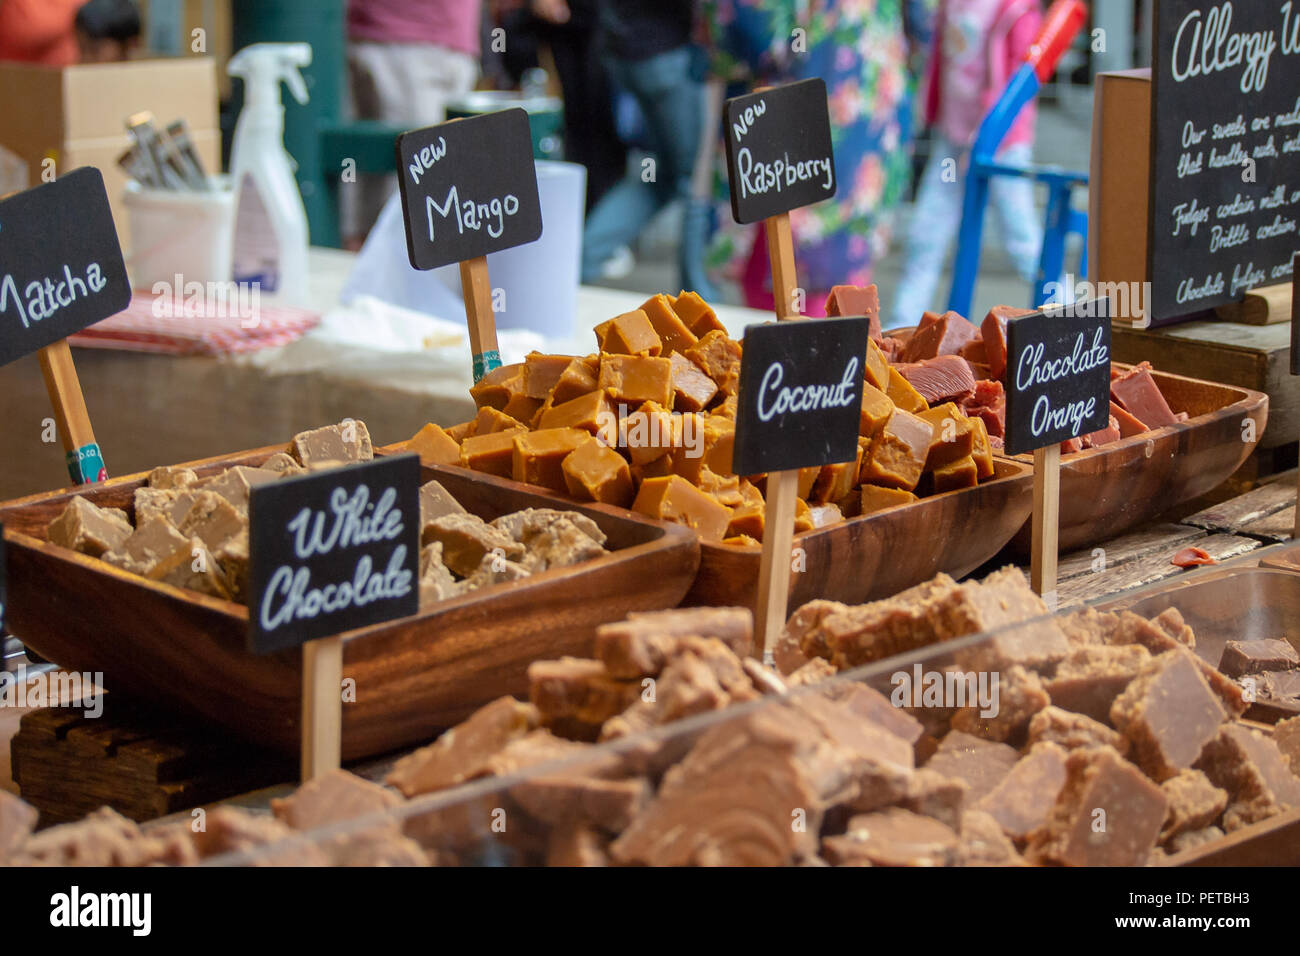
column 170, row 25
column 75, row 116
column 1119, row 184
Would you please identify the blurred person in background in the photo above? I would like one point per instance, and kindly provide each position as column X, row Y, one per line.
column 406, row 60
column 649, row 54
column 861, row 49
column 108, row 31
column 39, row 31
column 977, row 46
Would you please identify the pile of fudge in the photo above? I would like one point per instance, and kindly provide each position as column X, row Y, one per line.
column 648, row 422
column 183, row 522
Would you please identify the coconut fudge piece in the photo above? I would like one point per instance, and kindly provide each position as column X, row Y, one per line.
column 522, row 525
column 172, row 478
column 1020, row 697
column 1168, row 713
column 233, row 830
column 236, row 484
column 347, row 441
column 1251, row 768
column 103, row 838
column 17, row 821
column 1088, row 627
column 641, row 645
column 465, row 539
column 1107, row 814
column 814, row 671
column 574, row 696
column 1255, row 657
column 283, row 465
column 1023, row 800
column 464, row 751
column 1286, row 734
column 208, row 517
column 981, row 763
column 84, row 526
column 1071, row 731
column 1134, row 629
column 576, row 845
column 436, row 502
column 149, row 503
column 893, row 837
column 1194, row 838
column 932, row 794
column 802, row 637
column 559, row 543
column 982, row 842
column 494, row 569
column 1090, row 678
column 1194, row 803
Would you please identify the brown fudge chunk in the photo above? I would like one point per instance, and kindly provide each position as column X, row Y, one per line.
column 154, row 503
column 559, row 542
column 932, row 794
column 1276, row 685
column 1090, row 678
column 1088, row 627
column 1170, row 620
column 872, row 705
column 232, row 830
column 984, row 844
column 332, row 798
column 283, row 465
column 1023, row 800
column 571, row 798
column 981, row 763
column 17, row 821
column 575, row 696
column 893, row 837
column 1168, row 713
column 1020, row 697
column 346, row 441
column 718, row 357
column 494, row 569
column 1286, row 734
column 1194, row 803
column 813, row 672
column 880, row 763
column 210, row 518
column 1070, row 730
column 154, row 549
column 692, row 389
column 1193, row 839
column 84, row 526
column 1133, row 629
column 643, row 644
column 1107, row 814
column 1251, row 768
column 103, row 838
column 465, row 539
column 463, row 752
column 1255, row 657
column 576, row 845
column 436, row 501
column 802, row 638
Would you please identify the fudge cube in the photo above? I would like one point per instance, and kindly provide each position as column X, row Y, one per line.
column 1168, row 713
column 84, row 526
column 436, row 501
column 1255, row 657
column 1258, row 778
column 673, row 498
column 672, row 331
column 595, row 472
column 538, row 457
column 434, row 446
column 637, row 378
column 898, row 452
column 692, row 389
column 718, row 357
column 349, row 440
column 1024, row 799
column 1194, row 803
column 629, row 334
column 492, row 454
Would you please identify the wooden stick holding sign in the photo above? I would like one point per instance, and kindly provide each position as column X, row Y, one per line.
column 779, row 157
column 61, row 270
column 1058, row 388
column 329, row 553
column 469, row 188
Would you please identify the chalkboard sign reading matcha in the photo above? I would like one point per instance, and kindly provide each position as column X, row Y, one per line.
column 1058, row 375
column 469, row 188
column 800, row 399
column 333, row 551
column 61, row 266
column 1225, row 151
column 779, row 154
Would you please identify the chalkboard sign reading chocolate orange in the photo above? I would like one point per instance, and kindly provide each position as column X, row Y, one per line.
column 779, row 154
column 61, row 266
column 800, row 399
column 1058, row 375
column 1225, row 151
column 469, row 188
column 333, row 551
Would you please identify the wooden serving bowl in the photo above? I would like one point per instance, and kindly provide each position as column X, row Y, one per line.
column 877, row 555
column 1108, row 490
column 414, row 676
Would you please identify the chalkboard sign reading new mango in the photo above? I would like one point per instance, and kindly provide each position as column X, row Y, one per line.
column 779, row 154
column 1058, row 375
column 1225, row 151
column 469, row 188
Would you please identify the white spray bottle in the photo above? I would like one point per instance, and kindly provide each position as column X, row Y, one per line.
column 270, row 220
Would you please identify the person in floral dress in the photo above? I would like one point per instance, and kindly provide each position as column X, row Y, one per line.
column 863, row 50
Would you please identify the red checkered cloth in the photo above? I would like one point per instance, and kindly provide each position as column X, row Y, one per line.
column 139, row 329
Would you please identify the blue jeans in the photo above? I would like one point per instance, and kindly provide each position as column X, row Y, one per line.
column 671, row 101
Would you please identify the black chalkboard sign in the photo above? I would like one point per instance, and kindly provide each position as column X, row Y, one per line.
column 333, row 551
column 779, row 154
column 469, row 188
column 1225, row 151
column 1295, row 315
column 1058, row 375
column 800, row 399
column 61, row 266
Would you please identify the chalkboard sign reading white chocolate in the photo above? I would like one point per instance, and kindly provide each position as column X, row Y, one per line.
column 800, row 399
column 61, row 266
column 469, row 188
column 333, row 551
column 779, row 154
column 1058, row 375
column 1225, row 151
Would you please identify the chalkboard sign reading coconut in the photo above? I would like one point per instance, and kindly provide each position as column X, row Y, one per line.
column 779, row 154
column 1225, row 151
column 1058, row 388
column 61, row 270
column 469, row 188
column 800, row 395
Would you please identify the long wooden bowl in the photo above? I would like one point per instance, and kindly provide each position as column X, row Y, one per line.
column 878, row 555
column 1108, row 490
column 178, row 648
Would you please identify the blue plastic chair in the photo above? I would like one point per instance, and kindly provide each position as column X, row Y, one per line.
column 1062, row 220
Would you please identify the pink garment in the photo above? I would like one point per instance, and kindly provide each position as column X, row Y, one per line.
column 978, row 45
column 453, row 24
